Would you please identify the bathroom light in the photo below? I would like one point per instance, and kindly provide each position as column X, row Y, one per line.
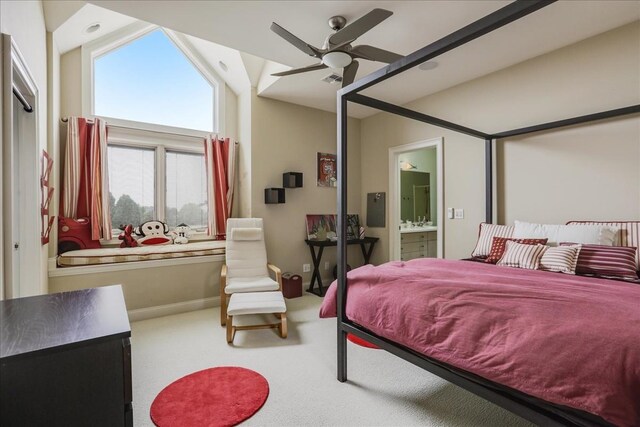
column 336, row 59
column 405, row 166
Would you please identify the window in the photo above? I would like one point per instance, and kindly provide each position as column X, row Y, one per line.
column 150, row 80
column 163, row 180
column 186, row 194
column 131, row 186
column 160, row 98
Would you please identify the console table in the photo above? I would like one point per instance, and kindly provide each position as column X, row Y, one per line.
column 366, row 245
column 65, row 360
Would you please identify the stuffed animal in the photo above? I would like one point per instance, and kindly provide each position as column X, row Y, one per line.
column 153, row 233
column 127, row 238
column 181, row 234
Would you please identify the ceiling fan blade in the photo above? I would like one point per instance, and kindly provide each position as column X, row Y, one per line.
column 300, row 70
column 349, row 73
column 360, row 26
column 299, row 43
column 374, row 54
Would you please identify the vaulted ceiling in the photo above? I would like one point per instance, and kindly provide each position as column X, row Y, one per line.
column 244, row 26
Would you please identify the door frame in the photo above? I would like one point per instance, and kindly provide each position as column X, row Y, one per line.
column 394, row 193
column 15, row 72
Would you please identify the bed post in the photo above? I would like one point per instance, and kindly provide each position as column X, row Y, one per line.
column 342, row 236
column 488, row 180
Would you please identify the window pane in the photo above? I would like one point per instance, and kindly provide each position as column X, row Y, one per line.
column 131, row 186
column 150, row 80
column 186, row 190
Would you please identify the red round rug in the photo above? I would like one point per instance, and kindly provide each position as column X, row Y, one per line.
column 357, row 340
column 223, row 396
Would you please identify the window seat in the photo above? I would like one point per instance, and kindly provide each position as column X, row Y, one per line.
column 140, row 253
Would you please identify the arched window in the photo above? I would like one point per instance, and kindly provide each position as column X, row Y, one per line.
column 160, row 99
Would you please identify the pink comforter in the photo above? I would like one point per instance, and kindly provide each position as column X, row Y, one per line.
column 569, row 340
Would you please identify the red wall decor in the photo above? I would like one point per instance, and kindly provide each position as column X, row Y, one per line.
column 46, row 193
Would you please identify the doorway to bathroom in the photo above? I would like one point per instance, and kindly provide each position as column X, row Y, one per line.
column 416, row 201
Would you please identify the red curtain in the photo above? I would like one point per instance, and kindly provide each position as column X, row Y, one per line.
column 85, row 183
column 219, row 155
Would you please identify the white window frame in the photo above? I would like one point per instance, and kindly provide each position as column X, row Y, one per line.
column 160, row 142
column 93, row 50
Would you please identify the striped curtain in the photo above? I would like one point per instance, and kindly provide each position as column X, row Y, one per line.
column 220, row 164
column 85, row 183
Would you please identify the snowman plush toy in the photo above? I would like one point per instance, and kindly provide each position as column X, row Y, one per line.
column 181, row 234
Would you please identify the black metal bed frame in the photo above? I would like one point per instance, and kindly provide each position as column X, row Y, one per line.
column 528, row 407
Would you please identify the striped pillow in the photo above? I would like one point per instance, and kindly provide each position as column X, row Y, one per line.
column 485, row 238
column 499, row 245
column 617, row 262
column 628, row 234
column 562, row 259
column 521, row 255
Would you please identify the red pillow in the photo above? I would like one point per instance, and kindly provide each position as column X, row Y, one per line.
column 499, row 245
column 617, row 262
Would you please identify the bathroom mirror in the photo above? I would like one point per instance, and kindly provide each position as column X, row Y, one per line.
column 415, row 196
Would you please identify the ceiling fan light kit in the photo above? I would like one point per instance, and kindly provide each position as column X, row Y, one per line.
column 337, row 51
column 336, row 59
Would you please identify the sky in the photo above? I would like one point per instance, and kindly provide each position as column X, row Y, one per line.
column 150, row 80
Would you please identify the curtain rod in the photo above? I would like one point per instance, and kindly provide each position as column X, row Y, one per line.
column 25, row 104
column 66, row 120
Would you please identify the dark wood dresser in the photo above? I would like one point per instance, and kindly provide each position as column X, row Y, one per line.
column 65, row 360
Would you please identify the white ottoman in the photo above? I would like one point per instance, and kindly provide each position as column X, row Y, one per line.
column 256, row 303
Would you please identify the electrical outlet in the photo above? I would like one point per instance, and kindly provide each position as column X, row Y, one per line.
column 306, row 268
column 450, row 213
column 458, row 214
column 326, row 265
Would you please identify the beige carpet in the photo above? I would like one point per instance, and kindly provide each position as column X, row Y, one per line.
column 382, row 389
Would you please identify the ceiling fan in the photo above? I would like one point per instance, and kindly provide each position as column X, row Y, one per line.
column 337, row 51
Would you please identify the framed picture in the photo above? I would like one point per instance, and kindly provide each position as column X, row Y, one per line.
column 321, row 227
column 327, row 170
column 353, row 227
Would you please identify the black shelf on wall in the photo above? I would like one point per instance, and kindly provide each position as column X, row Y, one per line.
column 292, row 179
column 273, row 195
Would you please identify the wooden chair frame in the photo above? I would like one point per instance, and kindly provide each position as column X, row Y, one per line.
column 281, row 326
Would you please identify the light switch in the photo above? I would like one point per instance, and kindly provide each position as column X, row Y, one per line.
column 458, row 214
column 450, row 213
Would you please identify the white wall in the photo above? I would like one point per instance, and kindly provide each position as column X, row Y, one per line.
column 243, row 195
column 584, row 172
column 53, row 130
column 150, row 287
column 24, row 21
column 286, row 138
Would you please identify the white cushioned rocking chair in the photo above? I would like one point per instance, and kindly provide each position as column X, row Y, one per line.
column 246, row 271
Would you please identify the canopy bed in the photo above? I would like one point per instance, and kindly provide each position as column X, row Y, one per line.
column 520, row 400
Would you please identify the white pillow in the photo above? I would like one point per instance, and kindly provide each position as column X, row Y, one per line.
column 246, row 233
column 574, row 233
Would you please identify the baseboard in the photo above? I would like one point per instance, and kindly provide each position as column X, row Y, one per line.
column 175, row 308
column 186, row 306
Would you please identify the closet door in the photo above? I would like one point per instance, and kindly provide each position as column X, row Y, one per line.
column 20, row 256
